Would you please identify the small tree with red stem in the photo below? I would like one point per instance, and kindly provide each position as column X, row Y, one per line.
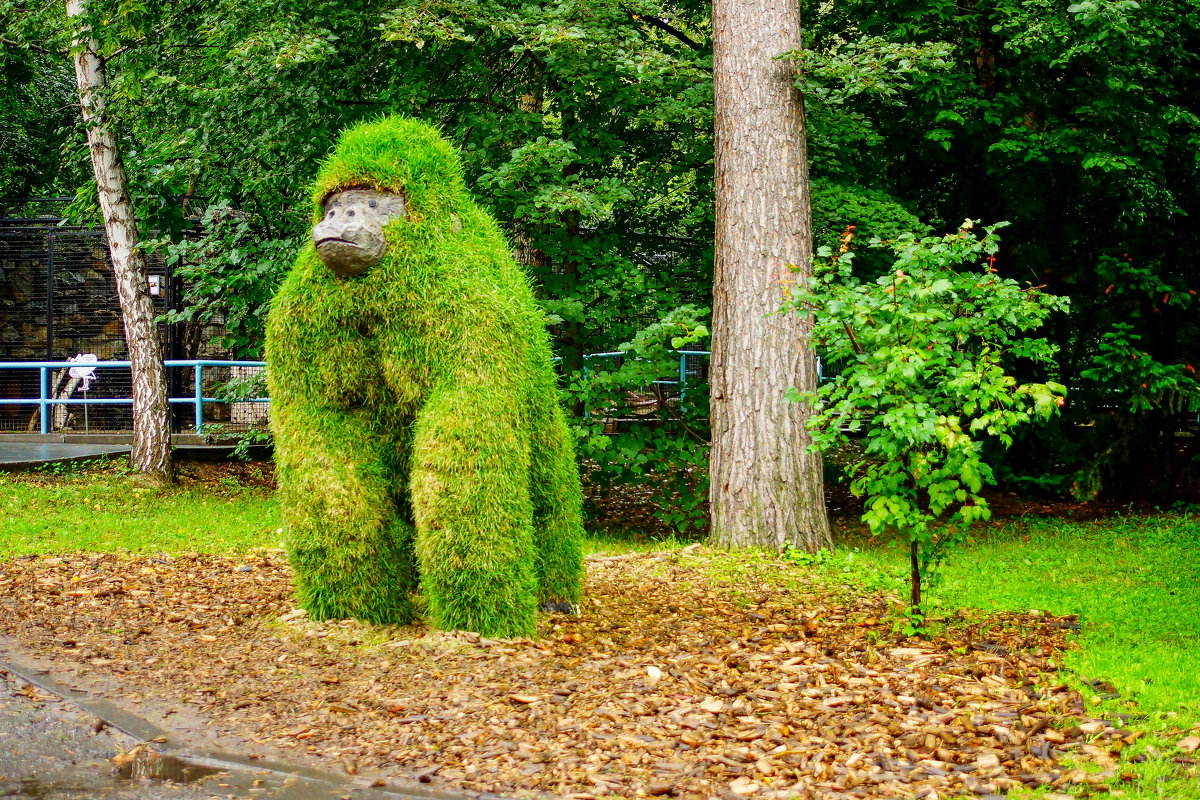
column 924, row 354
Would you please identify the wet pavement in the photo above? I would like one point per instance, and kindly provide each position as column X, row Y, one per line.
column 26, row 455
column 50, row 749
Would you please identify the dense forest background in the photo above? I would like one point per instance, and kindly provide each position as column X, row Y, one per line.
column 586, row 128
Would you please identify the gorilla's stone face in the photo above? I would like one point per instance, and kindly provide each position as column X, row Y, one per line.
column 349, row 238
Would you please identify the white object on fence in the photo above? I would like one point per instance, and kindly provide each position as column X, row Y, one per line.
column 84, row 374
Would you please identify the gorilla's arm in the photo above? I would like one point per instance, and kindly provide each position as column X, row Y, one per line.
column 349, row 547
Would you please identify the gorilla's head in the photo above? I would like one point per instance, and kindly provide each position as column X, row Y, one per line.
column 349, row 238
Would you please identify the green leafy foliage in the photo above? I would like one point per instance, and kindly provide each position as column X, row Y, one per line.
column 1130, row 400
column 586, row 129
column 924, row 360
column 229, row 272
column 1142, row 382
column 647, row 423
column 37, row 96
column 1076, row 122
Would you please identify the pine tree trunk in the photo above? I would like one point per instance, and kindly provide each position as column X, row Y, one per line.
column 151, row 418
column 766, row 491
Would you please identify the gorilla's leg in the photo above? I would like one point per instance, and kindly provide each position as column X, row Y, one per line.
column 346, row 542
column 470, row 497
column 557, row 515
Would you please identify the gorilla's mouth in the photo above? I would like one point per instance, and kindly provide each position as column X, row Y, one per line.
column 337, row 240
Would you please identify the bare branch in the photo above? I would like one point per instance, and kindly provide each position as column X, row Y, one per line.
column 663, row 25
column 34, row 47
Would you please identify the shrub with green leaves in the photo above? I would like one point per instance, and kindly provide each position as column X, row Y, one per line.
column 229, row 272
column 417, row 420
column 1132, row 405
column 644, row 425
column 926, row 356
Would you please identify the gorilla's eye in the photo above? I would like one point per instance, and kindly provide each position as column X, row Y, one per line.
column 371, row 204
column 350, row 213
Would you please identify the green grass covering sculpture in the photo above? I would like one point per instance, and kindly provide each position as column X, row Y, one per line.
column 417, row 421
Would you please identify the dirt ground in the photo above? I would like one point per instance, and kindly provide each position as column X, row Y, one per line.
column 692, row 674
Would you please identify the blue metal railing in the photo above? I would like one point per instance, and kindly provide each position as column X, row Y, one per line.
column 681, row 382
column 196, row 399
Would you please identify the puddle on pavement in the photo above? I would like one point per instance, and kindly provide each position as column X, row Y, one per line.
column 143, row 774
column 150, row 766
column 146, row 768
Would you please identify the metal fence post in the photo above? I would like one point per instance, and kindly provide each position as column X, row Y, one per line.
column 45, row 390
column 682, row 379
column 49, row 295
column 583, row 361
column 199, row 397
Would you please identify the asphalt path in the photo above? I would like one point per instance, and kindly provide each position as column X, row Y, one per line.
column 49, row 750
column 26, row 455
column 52, row 749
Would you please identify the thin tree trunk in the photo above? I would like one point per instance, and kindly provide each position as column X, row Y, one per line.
column 151, row 418
column 914, row 563
column 767, row 491
column 572, row 330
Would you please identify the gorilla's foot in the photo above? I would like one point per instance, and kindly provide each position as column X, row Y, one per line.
column 355, row 588
column 560, row 607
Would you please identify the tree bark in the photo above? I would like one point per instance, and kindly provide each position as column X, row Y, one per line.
column 151, row 417
column 914, row 562
column 766, row 490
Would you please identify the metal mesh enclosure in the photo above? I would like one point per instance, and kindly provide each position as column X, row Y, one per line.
column 58, row 300
column 664, row 395
column 46, row 210
column 696, row 367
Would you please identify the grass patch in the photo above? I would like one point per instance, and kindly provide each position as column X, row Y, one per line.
column 66, row 509
column 1134, row 581
column 603, row 544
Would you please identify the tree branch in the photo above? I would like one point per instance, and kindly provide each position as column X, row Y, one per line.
column 663, row 25
column 486, row 101
column 858, row 350
column 33, row 47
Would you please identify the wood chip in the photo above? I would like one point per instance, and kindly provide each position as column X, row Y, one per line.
column 665, row 683
column 525, row 699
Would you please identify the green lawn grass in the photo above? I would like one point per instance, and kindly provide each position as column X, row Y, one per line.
column 1134, row 581
column 67, row 510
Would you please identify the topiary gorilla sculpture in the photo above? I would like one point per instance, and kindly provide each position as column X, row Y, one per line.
column 415, row 411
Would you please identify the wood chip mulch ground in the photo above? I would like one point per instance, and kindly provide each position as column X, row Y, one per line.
column 692, row 674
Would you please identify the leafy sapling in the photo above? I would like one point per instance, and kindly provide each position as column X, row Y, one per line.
column 922, row 357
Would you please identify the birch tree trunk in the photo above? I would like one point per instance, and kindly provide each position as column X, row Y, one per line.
column 766, row 490
column 151, row 417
